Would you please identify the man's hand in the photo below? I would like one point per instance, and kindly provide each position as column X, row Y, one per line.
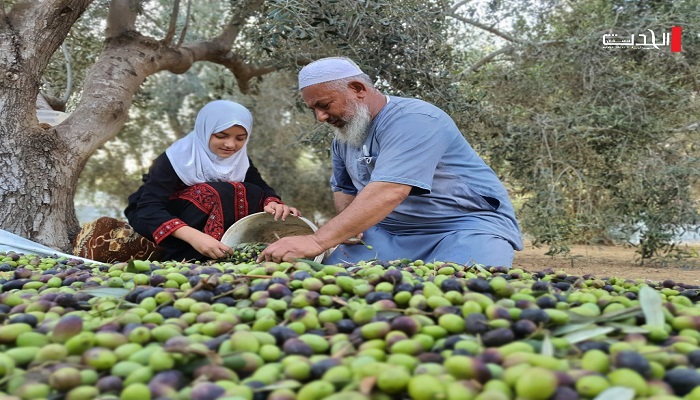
column 357, row 239
column 291, row 248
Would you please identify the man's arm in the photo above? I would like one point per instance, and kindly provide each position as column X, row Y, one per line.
column 342, row 201
column 371, row 205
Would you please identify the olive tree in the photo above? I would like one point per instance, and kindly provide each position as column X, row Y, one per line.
column 599, row 144
column 140, row 39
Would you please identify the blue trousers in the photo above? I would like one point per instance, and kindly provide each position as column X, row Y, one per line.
column 464, row 247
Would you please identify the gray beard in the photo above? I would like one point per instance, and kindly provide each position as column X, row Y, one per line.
column 355, row 131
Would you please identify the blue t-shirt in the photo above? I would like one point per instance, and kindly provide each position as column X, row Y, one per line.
column 414, row 143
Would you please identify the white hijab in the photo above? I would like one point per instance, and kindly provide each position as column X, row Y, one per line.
column 190, row 156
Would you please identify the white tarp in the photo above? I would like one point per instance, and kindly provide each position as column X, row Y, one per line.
column 11, row 242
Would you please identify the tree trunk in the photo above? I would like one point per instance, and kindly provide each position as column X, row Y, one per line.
column 39, row 168
column 38, row 171
column 36, row 196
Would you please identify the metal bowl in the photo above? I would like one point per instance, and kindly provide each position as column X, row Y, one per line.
column 262, row 228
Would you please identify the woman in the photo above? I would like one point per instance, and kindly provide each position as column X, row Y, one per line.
column 201, row 185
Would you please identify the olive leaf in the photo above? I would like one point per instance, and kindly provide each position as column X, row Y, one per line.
column 280, row 385
column 652, row 306
column 547, row 347
column 569, row 328
column 616, row 393
column 388, row 314
column 481, row 268
column 138, row 266
column 607, row 317
column 624, row 328
column 618, row 315
column 580, row 336
column 106, row 292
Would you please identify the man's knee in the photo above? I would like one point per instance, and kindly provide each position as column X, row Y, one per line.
column 492, row 251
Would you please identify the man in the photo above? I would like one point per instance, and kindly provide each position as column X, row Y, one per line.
column 405, row 180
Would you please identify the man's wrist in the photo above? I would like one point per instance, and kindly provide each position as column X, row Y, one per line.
column 324, row 241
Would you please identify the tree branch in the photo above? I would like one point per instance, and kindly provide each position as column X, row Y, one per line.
column 218, row 48
column 242, row 71
column 502, row 34
column 3, row 15
column 55, row 103
column 69, row 75
column 206, row 51
column 121, row 17
column 42, row 103
column 47, row 101
column 487, row 59
column 183, row 34
column 175, row 124
column 131, row 58
column 507, row 49
column 34, row 30
column 690, row 127
column 458, row 5
column 488, row 29
column 173, row 23
column 230, row 32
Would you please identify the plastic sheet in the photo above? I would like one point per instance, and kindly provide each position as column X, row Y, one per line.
column 11, row 242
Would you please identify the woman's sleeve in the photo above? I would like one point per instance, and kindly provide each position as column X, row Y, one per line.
column 151, row 207
column 253, row 176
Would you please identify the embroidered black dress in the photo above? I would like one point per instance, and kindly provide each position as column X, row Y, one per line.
column 164, row 204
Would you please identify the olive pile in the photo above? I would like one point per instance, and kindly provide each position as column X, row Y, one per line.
column 246, row 252
column 405, row 329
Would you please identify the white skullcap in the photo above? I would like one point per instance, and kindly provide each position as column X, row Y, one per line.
column 326, row 70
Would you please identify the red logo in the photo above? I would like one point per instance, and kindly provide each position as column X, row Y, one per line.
column 676, row 40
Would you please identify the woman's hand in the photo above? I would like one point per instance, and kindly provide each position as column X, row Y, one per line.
column 281, row 210
column 211, row 247
column 203, row 243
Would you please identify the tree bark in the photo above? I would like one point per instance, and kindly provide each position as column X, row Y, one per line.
column 37, row 194
column 39, row 171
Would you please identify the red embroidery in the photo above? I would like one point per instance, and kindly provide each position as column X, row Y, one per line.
column 204, row 197
column 240, row 202
column 272, row 199
column 167, row 228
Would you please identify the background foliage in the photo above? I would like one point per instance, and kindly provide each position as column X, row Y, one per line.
column 600, row 143
column 596, row 145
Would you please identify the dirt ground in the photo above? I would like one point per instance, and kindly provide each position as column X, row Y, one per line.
column 611, row 261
